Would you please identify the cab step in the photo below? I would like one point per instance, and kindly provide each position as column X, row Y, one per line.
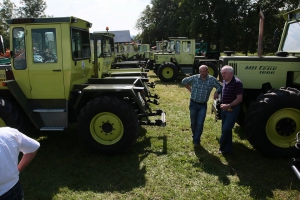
column 49, row 110
column 52, row 128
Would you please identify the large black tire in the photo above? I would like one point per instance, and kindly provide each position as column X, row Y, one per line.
column 108, row 125
column 240, row 120
column 243, row 110
column 11, row 115
column 149, row 64
column 119, row 59
column 273, row 121
column 167, row 72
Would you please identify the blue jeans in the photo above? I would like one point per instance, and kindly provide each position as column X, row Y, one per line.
column 228, row 121
column 197, row 115
column 15, row 193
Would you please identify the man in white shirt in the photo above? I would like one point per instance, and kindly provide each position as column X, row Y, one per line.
column 12, row 142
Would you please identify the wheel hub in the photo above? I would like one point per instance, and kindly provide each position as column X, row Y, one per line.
column 286, row 127
column 107, row 127
column 168, row 72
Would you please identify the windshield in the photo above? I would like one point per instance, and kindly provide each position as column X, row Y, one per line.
column 292, row 39
column 170, row 46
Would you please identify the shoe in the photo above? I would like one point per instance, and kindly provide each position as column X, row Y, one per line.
column 196, row 145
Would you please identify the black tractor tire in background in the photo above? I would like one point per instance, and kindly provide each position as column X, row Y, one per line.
column 149, row 64
column 108, row 125
column 212, row 69
column 240, row 120
column 272, row 122
column 243, row 110
column 119, row 59
column 12, row 115
column 167, row 72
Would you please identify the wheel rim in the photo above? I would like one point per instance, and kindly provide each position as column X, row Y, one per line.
column 106, row 128
column 282, row 127
column 210, row 71
column 2, row 123
column 167, row 72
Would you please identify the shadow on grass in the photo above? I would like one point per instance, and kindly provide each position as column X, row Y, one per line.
column 211, row 164
column 63, row 163
column 239, row 130
column 261, row 174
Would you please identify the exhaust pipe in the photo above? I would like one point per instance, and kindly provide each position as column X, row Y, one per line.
column 260, row 33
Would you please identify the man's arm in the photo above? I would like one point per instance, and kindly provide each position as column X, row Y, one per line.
column 239, row 99
column 218, row 87
column 26, row 159
column 188, row 87
column 186, row 82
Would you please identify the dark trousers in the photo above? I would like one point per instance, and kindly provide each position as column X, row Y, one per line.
column 228, row 121
column 197, row 115
column 15, row 193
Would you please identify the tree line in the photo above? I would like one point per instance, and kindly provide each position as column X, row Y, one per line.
column 228, row 24
column 27, row 8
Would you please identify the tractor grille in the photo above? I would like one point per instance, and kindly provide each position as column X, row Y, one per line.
column 234, row 66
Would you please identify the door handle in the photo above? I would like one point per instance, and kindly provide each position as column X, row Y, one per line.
column 57, row 70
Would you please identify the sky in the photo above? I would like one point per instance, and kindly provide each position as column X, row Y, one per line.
column 116, row 14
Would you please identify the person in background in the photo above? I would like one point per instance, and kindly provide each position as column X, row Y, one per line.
column 232, row 96
column 12, row 142
column 200, row 86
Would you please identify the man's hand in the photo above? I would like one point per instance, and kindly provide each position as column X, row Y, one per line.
column 225, row 107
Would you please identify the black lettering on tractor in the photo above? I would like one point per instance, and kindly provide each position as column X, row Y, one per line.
column 251, row 67
column 267, row 72
column 267, row 68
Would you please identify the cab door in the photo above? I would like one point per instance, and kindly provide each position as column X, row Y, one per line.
column 187, row 52
column 44, row 57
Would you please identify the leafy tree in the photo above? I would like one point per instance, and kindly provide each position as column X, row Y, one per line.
column 28, row 8
column 7, row 11
column 230, row 24
column 159, row 21
column 32, row 8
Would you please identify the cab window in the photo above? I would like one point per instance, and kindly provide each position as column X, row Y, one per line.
column 80, row 44
column 19, row 56
column 44, row 45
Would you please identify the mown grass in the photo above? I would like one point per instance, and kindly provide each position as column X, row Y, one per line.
column 161, row 165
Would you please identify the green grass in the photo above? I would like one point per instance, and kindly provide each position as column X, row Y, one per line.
column 161, row 165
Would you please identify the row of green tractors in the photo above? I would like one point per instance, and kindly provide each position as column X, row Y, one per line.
column 61, row 73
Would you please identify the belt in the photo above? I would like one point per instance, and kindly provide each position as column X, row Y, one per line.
column 198, row 102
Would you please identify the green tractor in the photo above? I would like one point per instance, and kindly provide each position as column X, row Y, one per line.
column 169, row 64
column 50, row 84
column 206, row 50
column 130, row 52
column 102, row 48
column 160, row 47
column 271, row 98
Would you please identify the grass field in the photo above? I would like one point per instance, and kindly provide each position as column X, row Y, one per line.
column 161, row 165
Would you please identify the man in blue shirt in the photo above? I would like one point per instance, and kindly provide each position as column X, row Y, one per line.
column 200, row 86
